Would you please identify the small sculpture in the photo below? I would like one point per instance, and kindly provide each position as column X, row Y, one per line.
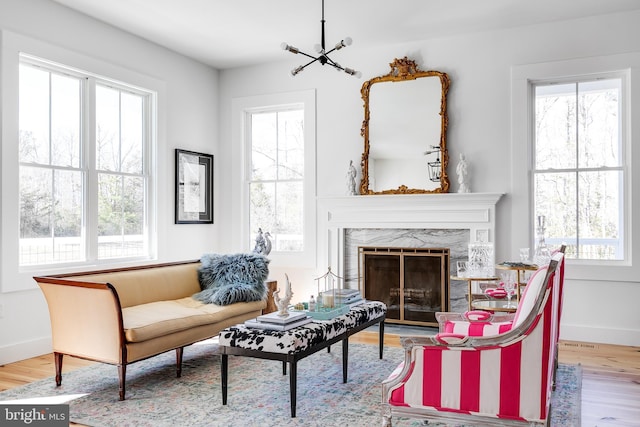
column 283, row 303
column 461, row 170
column 351, row 179
column 263, row 243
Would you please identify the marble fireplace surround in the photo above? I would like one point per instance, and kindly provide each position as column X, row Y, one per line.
column 448, row 220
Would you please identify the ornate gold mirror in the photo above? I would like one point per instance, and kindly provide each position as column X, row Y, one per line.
column 405, row 131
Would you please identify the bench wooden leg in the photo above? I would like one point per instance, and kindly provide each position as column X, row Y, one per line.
column 223, row 374
column 381, row 338
column 58, row 361
column 179, row 353
column 293, row 375
column 345, row 359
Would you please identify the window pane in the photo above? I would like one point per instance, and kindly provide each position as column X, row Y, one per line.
column 288, row 235
column 65, row 120
column 262, row 212
column 599, row 123
column 107, row 129
column 68, row 203
column 133, row 204
column 555, row 124
column 291, row 144
column 132, row 120
column 264, row 146
column 599, row 217
column 110, row 216
column 555, row 199
column 34, row 115
column 50, row 216
column 36, row 202
column 121, row 228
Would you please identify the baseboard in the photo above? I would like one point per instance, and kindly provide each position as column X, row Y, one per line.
column 25, row 350
column 593, row 334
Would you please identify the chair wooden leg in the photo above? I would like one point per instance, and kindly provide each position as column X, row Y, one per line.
column 386, row 418
column 122, row 375
column 179, row 352
column 57, row 357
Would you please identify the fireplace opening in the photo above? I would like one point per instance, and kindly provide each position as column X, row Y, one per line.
column 412, row 282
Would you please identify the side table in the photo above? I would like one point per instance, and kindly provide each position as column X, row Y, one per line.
column 495, row 305
column 470, row 279
column 520, row 268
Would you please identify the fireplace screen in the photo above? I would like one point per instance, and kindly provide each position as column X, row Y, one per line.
column 412, row 282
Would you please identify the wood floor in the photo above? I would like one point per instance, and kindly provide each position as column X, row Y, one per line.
column 610, row 382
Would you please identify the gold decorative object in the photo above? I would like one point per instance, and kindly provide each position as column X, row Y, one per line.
column 406, row 70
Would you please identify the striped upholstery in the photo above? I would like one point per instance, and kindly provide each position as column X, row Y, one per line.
column 476, row 329
column 501, row 379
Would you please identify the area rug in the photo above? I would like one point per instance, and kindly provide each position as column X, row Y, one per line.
column 258, row 392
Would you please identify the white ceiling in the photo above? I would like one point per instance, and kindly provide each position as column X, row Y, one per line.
column 233, row 33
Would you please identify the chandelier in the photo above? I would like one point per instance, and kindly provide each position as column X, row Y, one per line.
column 323, row 54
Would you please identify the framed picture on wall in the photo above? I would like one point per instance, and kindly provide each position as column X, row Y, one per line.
column 194, row 188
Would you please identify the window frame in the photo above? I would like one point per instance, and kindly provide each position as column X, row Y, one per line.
column 578, row 169
column 521, row 232
column 12, row 277
column 248, row 120
column 88, row 163
column 241, row 109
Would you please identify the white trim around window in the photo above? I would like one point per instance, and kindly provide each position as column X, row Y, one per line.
column 521, row 231
column 240, row 107
column 13, row 278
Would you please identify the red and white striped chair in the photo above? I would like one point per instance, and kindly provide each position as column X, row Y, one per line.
column 494, row 380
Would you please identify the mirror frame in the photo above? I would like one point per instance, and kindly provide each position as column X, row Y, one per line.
column 403, row 70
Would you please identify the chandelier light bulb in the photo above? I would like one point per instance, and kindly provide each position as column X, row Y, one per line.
column 317, row 47
column 297, row 70
column 347, row 41
column 284, row 45
column 353, row 72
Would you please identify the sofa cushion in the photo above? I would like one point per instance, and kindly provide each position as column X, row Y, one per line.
column 227, row 279
column 146, row 321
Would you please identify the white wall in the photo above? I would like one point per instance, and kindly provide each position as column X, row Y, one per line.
column 480, row 109
column 187, row 117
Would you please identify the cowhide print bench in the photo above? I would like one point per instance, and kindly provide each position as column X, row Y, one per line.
column 298, row 343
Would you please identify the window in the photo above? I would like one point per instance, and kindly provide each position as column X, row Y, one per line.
column 276, row 176
column 274, row 152
column 83, row 167
column 579, row 165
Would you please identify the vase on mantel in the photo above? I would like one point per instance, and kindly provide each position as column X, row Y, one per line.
column 542, row 256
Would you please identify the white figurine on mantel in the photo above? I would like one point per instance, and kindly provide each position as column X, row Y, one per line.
column 461, row 170
column 351, row 179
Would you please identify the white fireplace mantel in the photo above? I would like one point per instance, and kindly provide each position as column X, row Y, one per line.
column 472, row 211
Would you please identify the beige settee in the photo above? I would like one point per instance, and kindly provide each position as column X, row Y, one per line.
column 122, row 316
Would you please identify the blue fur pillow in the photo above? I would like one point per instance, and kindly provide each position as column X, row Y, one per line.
column 227, row 279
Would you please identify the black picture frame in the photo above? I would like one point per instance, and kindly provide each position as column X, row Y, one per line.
column 194, row 187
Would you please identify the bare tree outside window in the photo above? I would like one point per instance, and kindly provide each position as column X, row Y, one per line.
column 277, row 177
column 579, row 169
column 56, row 175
